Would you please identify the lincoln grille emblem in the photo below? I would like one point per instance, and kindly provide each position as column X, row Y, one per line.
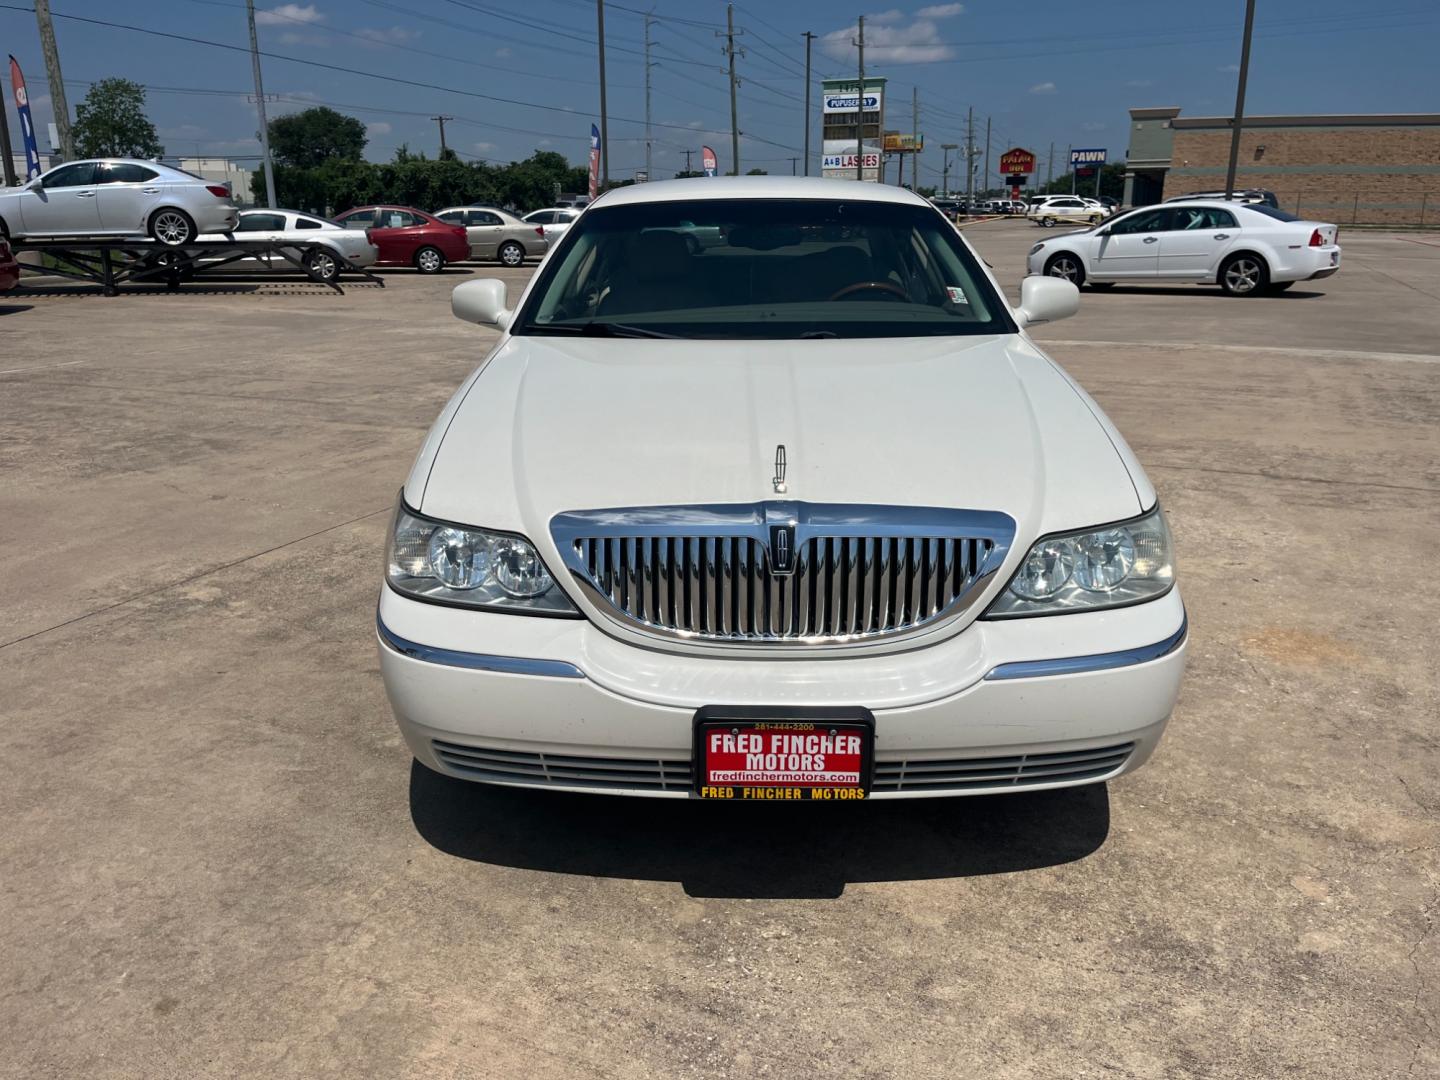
column 782, row 549
column 779, row 480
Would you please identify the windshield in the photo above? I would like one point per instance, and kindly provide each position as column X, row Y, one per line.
column 763, row 268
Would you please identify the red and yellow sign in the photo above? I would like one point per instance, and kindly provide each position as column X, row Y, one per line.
column 1015, row 162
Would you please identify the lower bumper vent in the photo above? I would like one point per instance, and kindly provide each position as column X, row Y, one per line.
column 518, row 767
column 1019, row 770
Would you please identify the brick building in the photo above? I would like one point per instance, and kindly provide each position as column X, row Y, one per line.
column 1381, row 169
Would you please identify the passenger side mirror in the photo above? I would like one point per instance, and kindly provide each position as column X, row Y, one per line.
column 1043, row 299
column 482, row 302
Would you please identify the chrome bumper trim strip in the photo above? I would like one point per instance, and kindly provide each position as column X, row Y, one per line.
column 506, row 665
column 1073, row 665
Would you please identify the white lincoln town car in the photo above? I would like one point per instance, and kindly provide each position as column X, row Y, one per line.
column 801, row 514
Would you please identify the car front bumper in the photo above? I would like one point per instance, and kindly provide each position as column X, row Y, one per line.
column 1003, row 706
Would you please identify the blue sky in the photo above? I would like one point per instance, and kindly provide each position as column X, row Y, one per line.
column 1043, row 71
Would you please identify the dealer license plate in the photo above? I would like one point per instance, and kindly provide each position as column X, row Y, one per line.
column 751, row 753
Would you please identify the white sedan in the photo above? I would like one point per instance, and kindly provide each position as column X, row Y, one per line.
column 280, row 226
column 554, row 220
column 1066, row 209
column 739, row 592
column 1245, row 249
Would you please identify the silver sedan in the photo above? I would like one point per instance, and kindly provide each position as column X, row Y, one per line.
column 117, row 197
column 337, row 243
column 497, row 234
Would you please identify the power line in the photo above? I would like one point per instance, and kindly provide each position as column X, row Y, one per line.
column 334, row 67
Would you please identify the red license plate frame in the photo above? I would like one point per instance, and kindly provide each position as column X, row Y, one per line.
column 783, row 753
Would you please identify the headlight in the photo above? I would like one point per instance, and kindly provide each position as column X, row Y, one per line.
column 1036, row 248
column 457, row 564
column 1100, row 568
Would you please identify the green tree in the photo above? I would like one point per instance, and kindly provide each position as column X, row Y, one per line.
column 111, row 122
column 757, row 172
column 315, row 136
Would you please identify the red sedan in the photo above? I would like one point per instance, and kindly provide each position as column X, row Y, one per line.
column 9, row 268
column 409, row 237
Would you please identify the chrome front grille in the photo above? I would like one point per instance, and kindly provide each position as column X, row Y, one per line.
column 1018, row 770
column 852, row 573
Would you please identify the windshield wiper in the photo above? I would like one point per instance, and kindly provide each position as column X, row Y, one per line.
column 602, row 329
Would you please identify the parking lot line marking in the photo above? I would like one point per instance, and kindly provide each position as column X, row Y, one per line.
column 42, row 367
column 1315, row 354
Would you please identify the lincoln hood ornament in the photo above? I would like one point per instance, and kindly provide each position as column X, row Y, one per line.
column 779, row 480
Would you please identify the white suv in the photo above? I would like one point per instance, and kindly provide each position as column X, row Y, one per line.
column 652, row 545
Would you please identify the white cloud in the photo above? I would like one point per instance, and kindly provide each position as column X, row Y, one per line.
column 1043, row 88
column 1229, row 68
column 502, row 53
column 288, row 13
column 940, row 11
column 394, row 35
column 547, row 142
column 484, row 147
column 889, row 39
column 380, row 127
column 1091, row 125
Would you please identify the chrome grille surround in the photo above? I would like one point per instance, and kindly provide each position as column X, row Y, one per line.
column 859, row 574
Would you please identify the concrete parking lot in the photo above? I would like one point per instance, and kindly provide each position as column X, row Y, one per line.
column 218, row 860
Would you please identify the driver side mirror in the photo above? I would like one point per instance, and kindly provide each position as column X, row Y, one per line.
column 482, row 302
column 1046, row 299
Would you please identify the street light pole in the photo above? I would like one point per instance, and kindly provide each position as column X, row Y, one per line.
column 1240, row 100
column 860, row 107
column 945, row 172
column 809, row 37
column 604, row 113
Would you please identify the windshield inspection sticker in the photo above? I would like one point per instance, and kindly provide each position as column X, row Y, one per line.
column 956, row 294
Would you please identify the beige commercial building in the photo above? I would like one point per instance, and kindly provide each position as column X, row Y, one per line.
column 1379, row 169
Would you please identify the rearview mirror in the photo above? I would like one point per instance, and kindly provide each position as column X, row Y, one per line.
column 482, row 302
column 1043, row 299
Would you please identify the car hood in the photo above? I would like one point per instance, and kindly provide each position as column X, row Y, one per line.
column 550, row 425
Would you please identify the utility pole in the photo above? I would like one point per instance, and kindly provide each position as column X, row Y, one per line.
column 945, row 149
column 809, row 37
column 969, row 160
column 792, row 165
column 441, row 121
column 860, row 105
column 987, row 154
column 649, row 175
column 604, row 114
column 914, row 138
column 734, row 82
column 1068, row 148
column 687, row 159
column 1239, row 99
column 58, row 105
column 260, row 108
column 1050, row 168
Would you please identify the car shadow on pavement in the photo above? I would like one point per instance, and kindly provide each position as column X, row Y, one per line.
column 14, row 309
column 1193, row 290
column 754, row 851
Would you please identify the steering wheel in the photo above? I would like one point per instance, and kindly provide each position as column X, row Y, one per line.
column 860, row 286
